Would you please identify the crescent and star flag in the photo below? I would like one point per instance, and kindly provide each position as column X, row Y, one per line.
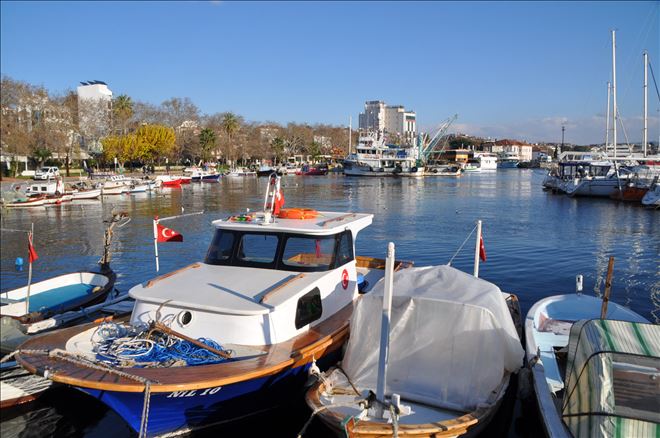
column 482, row 249
column 279, row 202
column 167, row 234
column 32, row 254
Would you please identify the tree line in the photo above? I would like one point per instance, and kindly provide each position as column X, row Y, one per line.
column 57, row 126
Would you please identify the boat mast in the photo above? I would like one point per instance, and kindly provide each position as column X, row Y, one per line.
column 607, row 123
column 614, row 109
column 350, row 135
column 646, row 107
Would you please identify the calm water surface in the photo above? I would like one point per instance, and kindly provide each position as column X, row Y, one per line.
column 536, row 243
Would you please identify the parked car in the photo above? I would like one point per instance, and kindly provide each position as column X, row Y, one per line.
column 47, row 173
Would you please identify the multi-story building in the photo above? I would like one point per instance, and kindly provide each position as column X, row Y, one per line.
column 393, row 121
column 94, row 113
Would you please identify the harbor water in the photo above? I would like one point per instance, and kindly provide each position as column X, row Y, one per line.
column 536, row 243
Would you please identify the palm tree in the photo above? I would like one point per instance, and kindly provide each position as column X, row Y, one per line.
column 122, row 108
column 230, row 124
column 207, row 142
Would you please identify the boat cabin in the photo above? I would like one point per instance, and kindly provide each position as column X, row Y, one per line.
column 262, row 281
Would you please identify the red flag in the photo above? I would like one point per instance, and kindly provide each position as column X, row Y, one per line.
column 482, row 248
column 32, row 254
column 279, row 202
column 167, row 234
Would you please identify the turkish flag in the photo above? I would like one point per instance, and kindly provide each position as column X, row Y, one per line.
column 167, row 234
column 279, row 202
column 482, row 248
column 32, row 254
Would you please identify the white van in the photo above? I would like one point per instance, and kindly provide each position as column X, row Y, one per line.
column 47, row 173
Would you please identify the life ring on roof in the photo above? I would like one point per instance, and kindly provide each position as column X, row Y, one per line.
column 298, row 213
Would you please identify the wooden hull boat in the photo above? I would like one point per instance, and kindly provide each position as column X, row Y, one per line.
column 629, row 194
column 35, row 201
column 57, row 295
column 174, row 182
column 547, row 328
column 18, row 386
column 440, row 395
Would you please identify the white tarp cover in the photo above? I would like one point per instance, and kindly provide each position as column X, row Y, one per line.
column 451, row 338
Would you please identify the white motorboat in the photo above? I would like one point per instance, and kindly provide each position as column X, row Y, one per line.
column 596, row 179
column 553, row 347
column 453, row 346
column 487, row 161
column 51, row 187
column 86, row 194
column 241, row 171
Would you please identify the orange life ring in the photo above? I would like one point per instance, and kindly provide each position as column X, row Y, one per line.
column 298, row 213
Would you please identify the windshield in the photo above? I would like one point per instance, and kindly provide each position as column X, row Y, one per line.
column 283, row 251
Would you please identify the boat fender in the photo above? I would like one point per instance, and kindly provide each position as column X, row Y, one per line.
column 97, row 289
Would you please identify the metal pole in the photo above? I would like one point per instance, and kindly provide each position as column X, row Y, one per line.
column 156, row 242
column 476, row 250
column 646, row 107
column 385, row 330
column 563, row 129
column 607, row 123
column 614, row 109
column 350, row 135
column 29, row 285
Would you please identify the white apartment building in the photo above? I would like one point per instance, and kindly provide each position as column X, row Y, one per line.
column 394, row 120
column 94, row 113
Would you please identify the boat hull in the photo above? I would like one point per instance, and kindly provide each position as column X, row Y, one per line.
column 594, row 187
column 183, row 411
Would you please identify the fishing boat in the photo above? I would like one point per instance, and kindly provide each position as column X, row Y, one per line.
column 81, row 191
column 241, row 172
column 508, row 160
column 269, row 170
column 374, row 158
column 169, row 180
column 599, row 179
column 273, row 295
column 453, row 170
column 18, row 387
column 34, row 201
column 45, row 299
column 211, row 177
column 51, row 187
column 454, row 343
column 316, row 170
column 592, row 376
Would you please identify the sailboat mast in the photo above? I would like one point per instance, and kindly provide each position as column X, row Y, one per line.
column 607, row 119
column 646, row 106
column 350, row 135
column 614, row 109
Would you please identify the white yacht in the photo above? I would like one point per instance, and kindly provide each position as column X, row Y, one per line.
column 598, row 178
column 374, row 158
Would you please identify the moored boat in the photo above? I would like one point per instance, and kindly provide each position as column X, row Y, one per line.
column 453, row 346
column 272, row 296
column 169, row 180
column 564, row 338
column 652, row 197
column 443, row 170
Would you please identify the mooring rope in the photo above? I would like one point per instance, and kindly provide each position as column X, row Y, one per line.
column 145, row 410
column 462, row 245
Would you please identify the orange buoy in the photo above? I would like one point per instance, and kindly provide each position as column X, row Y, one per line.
column 298, row 213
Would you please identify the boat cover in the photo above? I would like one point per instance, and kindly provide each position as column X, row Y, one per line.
column 451, row 339
column 613, row 379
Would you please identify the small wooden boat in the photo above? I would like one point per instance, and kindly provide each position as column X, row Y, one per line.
column 34, row 201
column 17, row 386
column 86, row 194
column 169, row 180
column 276, row 294
column 318, row 170
column 569, row 355
column 443, row 170
column 453, row 346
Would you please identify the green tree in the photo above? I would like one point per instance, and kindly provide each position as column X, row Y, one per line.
column 207, row 141
column 122, row 109
column 41, row 154
column 278, row 145
column 231, row 125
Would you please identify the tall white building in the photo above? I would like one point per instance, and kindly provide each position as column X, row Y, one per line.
column 94, row 113
column 392, row 120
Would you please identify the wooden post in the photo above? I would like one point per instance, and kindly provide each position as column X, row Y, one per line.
column 608, row 288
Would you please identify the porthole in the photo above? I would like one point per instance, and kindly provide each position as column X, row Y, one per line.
column 184, row 318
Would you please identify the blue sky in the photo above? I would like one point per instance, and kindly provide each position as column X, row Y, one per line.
column 509, row 69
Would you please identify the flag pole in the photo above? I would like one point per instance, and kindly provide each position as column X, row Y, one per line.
column 476, row 250
column 156, row 242
column 27, row 298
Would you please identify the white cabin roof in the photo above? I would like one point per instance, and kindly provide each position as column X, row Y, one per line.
column 224, row 289
column 326, row 223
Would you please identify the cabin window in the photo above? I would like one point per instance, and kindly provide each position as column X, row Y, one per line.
column 309, row 308
column 257, row 248
column 345, row 248
column 309, row 252
column 220, row 249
